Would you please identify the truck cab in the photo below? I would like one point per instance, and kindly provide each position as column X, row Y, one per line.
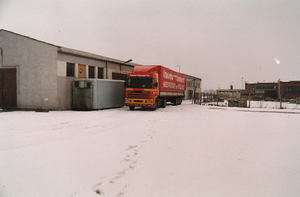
column 142, row 90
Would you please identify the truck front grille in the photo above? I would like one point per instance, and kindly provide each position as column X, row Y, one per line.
column 138, row 94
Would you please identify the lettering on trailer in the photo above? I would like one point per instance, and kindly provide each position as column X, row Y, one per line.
column 180, row 79
column 171, row 77
column 171, row 85
column 167, row 75
column 139, row 75
column 167, row 84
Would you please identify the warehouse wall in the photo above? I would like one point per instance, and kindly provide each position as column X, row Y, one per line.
column 64, row 91
column 42, row 81
column 36, row 70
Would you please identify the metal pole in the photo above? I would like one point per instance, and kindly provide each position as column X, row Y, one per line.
column 249, row 100
column 200, row 98
column 242, row 82
column 279, row 94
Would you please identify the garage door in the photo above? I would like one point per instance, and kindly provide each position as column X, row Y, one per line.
column 8, row 88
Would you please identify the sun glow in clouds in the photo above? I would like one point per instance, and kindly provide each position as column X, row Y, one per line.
column 277, row 60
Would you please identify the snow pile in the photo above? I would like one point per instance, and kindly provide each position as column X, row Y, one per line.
column 260, row 104
column 186, row 150
column 274, row 105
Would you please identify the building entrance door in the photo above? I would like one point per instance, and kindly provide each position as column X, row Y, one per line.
column 8, row 88
column 81, row 71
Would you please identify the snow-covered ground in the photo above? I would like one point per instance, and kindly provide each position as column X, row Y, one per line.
column 262, row 104
column 186, row 150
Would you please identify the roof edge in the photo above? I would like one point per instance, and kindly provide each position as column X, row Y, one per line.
column 75, row 52
column 79, row 53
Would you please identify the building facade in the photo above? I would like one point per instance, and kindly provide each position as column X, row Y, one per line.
column 193, row 87
column 230, row 93
column 274, row 90
column 38, row 75
column 44, row 72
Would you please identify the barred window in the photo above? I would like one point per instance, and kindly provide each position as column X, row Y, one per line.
column 91, row 72
column 100, row 73
column 70, row 69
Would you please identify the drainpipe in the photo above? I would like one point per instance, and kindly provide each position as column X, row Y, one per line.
column 106, row 64
column 1, row 57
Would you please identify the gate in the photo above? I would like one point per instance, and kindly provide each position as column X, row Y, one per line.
column 8, row 88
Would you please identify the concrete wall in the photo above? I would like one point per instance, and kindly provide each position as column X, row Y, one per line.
column 64, row 92
column 36, row 64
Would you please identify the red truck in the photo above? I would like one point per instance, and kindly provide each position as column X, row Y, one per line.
column 153, row 87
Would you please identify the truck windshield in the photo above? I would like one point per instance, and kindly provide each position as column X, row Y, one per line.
column 139, row 82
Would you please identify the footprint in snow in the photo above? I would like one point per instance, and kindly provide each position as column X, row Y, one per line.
column 131, row 147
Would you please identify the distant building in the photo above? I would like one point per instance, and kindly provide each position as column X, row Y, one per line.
column 230, row 93
column 274, row 90
column 193, row 87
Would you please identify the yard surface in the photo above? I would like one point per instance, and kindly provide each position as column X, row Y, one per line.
column 185, row 150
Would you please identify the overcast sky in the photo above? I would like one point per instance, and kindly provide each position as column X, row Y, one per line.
column 224, row 42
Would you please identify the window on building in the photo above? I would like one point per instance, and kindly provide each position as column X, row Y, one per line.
column 292, row 90
column 100, row 73
column 70, row 69
column 91, row 72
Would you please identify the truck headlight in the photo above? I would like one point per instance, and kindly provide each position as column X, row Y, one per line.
column 148, row 101
column 127, row 100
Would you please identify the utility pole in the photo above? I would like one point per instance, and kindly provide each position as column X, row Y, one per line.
column 279, row 93
column 179, row 67
column 242, row 82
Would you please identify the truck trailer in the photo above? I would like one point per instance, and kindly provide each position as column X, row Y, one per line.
column 94, row 94
column 154, row 86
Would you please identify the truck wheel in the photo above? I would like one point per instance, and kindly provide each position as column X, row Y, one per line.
column 131, row 107
column 156, row 104
column 179, row 101
column 175, row 101
column 164, row 102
